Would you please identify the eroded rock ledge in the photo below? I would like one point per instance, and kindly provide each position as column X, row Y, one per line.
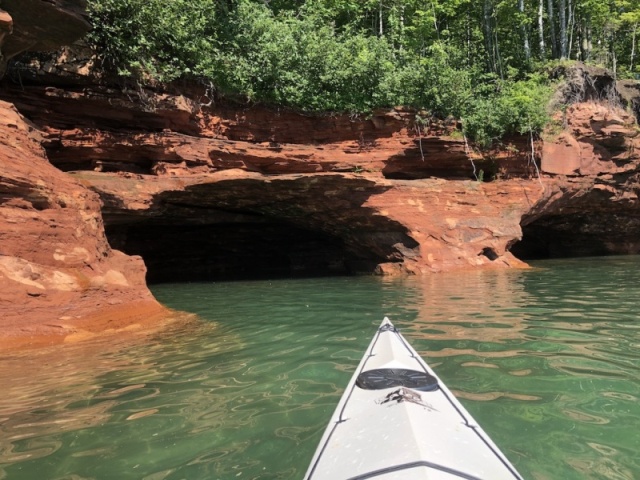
column 243, row 192
column 208, row 191
column 219, row 192
column 59, row 277
column 56, row 266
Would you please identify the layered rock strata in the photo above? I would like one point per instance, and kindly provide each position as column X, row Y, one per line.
column 56, row 266
column 59, row 277
column 202, row 190
column 591, row 207
column 380, row 194
column 243, row 192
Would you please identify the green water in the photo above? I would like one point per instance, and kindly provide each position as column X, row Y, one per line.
column 547, row 360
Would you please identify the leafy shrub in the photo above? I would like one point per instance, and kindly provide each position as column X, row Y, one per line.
column 153, row 39
column 299, row 58
column 300, row 63
column 516, row 106
column 429, row 82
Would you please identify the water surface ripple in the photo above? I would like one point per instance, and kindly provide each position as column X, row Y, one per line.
column 547, row 360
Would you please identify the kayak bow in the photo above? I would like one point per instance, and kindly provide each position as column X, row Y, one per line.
column 396, row 419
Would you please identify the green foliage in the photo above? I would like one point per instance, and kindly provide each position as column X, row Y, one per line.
column 513, row 107
column 153, row 39
column 300, row 62
column 430, row 81
column 339, row 55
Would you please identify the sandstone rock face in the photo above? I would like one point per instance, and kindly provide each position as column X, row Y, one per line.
column 278, row 193
column 59, row 278
column 240, row 192
column 39, row 25
column 598, row 138
column 164, row 134
column 591, row 205
column 206, row 191
column 56, row 265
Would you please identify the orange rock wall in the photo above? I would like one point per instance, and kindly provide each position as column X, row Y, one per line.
column 396, row 196
column 56, row 265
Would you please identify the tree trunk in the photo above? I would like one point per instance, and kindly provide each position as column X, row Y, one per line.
column 562, row 17
column 496, row 46
column 633, row 48
column 614, row 58
column 487, row 27
column 572, row 21
column 552, row 29
column 585, row 44
column 541, row 29
column 435, row 21
column 468, row 39
column 589, row 40
column 525, row 35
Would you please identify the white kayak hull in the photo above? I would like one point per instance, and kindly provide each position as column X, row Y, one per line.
column 397, row 420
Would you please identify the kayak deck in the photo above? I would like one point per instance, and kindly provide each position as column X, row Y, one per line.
column 396, row 419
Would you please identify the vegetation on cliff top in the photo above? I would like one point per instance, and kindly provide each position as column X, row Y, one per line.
column 473, row 60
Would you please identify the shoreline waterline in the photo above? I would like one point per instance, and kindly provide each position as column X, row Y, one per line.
column 545, row 360
column 134, row 319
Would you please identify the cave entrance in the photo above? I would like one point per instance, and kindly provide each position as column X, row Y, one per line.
column 540, row 241
column 585, row 234
column 232, row 251
column 248, row 227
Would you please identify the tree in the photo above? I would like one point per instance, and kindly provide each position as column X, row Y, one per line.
column 523, row 28
column 541, row 43
column 463, row 58
column 629, row 20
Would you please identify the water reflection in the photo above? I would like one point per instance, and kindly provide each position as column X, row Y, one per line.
column 552, row 345
column 547, row 361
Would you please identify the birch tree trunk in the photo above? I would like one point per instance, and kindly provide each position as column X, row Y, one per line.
column 496, row 47
column 572, row 21
column 525, row 35
column 585, row 40
column 552, row 29
column 487, row 13
column 633, row 47
column 541, row 29
column 435, row 20
column 562, row 17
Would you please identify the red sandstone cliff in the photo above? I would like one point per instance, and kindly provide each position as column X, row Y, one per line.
column 220, row 191
column 364, row 195
column 58, row 275
column 56, row 267
column 393, row 199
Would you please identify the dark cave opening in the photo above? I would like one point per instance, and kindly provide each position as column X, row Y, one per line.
column 541, row 242
column 584, row 234
column 235, row 251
